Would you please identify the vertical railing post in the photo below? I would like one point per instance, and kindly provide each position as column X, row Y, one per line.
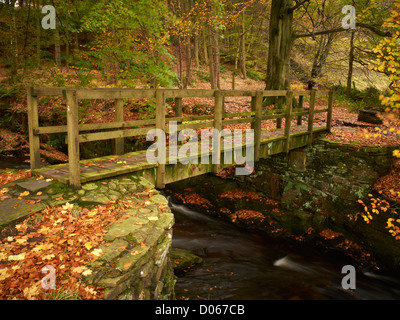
column 33, row 122
column 218, row 112
column 300, row 118
column 329, row 115
column 119, row 117
column 279, row 102
column 288, row 119
column 257, row 124
column 311, row 117
column 178, row 107
column 161, row 150
column 73, row 138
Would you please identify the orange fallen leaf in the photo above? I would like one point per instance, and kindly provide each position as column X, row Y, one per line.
column 127, row 265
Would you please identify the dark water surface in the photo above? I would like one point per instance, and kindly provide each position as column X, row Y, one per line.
column 244, row 265
column 14, row 163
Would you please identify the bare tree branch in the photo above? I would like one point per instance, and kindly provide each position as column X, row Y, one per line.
column 373, row 28
column 299, row 4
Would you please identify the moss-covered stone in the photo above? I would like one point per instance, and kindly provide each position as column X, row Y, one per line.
column 182, row 259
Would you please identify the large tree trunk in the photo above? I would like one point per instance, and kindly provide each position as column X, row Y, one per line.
column 280, row 45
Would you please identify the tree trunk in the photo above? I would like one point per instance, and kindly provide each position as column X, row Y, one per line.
column 180, row 72
column 211, row 59
column 38, row 32
column 67, row 43
column 188, row 62
column 280, row 45
column 351, row 61
column 76, row 46
column 321, row 56
column 205, row 48
column 57, row 49
column 243, row 58
column 216, row 58
column 13, row 43
column 196, row 51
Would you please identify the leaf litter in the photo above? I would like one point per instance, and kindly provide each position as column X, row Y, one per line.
column 59, row 237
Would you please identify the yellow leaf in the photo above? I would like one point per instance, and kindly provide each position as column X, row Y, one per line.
column 88, row 245
column 37, row 248
column 92, row 213
column 48, row 257
column 23, row 194
column 17, row 257
column 30, row 292
column 87, row 272
column 97, row 252
column 67, row 206
column 21, row 241
column 4, row 274
column 79, row 269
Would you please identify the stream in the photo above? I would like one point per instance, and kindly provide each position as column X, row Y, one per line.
column 246, row 265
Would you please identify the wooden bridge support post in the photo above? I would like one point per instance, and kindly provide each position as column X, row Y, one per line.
column 73, row 138
column 161, row 150
column 178, row 107
column 33, row 122
column 311, row 117
column 256, row 125
column 300, row 118
column 288, row 119
column 218, row 112
column 119, row 117
column 329, row 115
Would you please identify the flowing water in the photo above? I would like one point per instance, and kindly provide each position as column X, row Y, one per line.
column 244, row 265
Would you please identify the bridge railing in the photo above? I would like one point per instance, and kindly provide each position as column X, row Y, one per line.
column 75, row 130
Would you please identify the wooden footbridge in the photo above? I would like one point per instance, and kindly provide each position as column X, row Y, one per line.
column 288, row 134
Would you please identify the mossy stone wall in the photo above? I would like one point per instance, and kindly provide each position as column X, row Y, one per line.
column 133, row 263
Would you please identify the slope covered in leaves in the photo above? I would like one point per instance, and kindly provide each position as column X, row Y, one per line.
column 61, row 236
